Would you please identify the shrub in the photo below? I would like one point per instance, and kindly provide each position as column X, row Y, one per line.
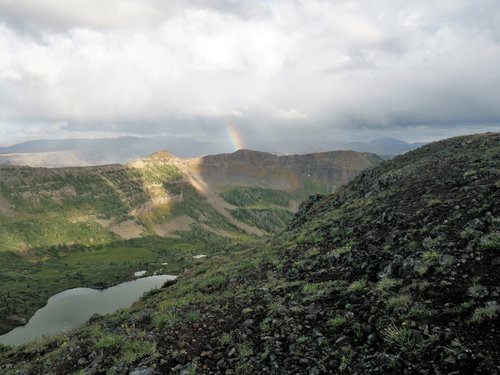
column 110, row 341
column 193, row 316
column 491, row 242
column 225, row 339
column 398, row 336
column 430, row 256
column 245, row 350
column 337, row 322
column 386, row 283
column 482, row 314
column 164, row 320
column 402, row 300
column 358, row 285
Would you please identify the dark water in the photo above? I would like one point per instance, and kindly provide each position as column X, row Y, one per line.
column 73, row 307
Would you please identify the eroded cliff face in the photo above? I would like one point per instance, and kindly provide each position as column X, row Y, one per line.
column 290, row 172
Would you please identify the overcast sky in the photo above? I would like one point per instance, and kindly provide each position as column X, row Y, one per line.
column 275, row 71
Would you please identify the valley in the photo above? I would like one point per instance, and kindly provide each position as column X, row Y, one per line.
column 396, row 272
column 62, row 228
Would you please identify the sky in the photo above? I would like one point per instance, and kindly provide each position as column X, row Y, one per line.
column 267, row 72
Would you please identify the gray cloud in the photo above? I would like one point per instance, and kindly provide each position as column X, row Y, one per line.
column 289, row 70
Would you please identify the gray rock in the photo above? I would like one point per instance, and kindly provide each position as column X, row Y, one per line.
column 343, row 340
column 142, row 371
column 371, row 339
column 400, row 268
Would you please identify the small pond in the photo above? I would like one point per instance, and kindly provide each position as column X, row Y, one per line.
column 73, row 307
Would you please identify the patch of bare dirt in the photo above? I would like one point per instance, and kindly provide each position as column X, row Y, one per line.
column 127, row 230
column 180, row 223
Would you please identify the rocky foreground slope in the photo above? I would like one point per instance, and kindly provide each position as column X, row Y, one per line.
column 396, row 273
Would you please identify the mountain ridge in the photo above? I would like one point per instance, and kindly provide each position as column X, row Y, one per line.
column 394, row 273
column 80, row 152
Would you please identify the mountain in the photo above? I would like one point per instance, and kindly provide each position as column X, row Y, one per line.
column 383, row 146
column 394, row 273
column 86, row 152
column 86, row 223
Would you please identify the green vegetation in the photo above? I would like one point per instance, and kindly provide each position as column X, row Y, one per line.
column 339, row 290
column 271, row 220
column 491, row 242
column 398, row 336
column 337, row 322
column 28, row 283
column 256, row 197
column 485, row 313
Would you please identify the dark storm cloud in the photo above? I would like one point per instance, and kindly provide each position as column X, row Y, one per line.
column 276, row 70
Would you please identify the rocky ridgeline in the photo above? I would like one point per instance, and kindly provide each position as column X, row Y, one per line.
column 396, row 273
column 332, row 169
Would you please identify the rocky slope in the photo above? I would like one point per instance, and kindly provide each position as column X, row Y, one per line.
column 396, row 273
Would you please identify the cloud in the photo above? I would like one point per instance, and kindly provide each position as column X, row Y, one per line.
column 277, row 69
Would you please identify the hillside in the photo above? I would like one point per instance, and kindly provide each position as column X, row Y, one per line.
column 95, row 226
column 395, row 273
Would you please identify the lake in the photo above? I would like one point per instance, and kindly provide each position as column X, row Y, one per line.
column 74, row 307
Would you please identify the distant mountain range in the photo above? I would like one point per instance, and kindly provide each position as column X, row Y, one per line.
column 82, row 152
column 386, row 147
column 85, row 152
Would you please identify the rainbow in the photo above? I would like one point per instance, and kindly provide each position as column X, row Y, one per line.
column 234, row 138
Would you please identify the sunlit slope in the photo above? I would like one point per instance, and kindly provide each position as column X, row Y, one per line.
column 162, row 194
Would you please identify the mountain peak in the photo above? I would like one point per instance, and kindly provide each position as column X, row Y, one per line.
column 162, row 154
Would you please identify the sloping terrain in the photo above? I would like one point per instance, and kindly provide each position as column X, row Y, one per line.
column 91, row 226
column 395, row 273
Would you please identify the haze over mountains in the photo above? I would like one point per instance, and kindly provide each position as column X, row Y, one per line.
column 86, row 152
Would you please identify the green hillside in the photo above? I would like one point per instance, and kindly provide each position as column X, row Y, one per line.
column 95, row 226
column 395, row 273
